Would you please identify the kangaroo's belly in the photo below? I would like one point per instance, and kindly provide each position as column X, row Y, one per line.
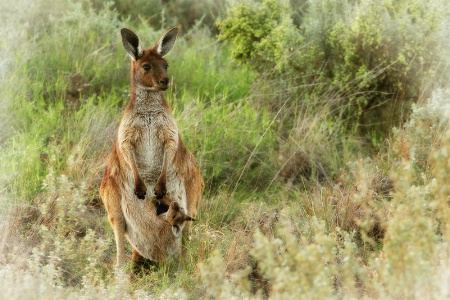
column 149, row 154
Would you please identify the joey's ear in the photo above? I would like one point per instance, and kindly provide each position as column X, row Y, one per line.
column 166, row 42
column 188, row 218
column 176, row 230
column 131, row 43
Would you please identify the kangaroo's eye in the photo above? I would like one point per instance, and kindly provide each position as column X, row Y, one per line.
column 147, row 67
column 167, row 66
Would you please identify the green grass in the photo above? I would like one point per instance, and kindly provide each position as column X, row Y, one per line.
column 295, row 203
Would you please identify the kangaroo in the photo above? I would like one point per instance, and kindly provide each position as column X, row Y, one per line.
column 149, row 162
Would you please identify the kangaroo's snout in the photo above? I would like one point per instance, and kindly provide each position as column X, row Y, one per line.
column 163, row 83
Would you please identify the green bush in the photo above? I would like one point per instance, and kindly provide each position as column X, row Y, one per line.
column 422, row 133
column 262, row 34
column 375, row 57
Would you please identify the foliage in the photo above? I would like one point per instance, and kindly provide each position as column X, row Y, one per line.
column 366, row 53
column 161, row 13
column 314, row 258
column 261, row 33
column 54, row 74
column 427, row 125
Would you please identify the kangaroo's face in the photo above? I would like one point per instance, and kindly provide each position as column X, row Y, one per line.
column 150, row 71
column 149, row 68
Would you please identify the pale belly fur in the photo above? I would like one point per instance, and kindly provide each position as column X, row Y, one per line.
column 149, row 233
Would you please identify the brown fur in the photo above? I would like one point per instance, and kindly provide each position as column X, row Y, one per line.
column 176, row 215
column 148, row 156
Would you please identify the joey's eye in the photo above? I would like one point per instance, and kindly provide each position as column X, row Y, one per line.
column 147, row 67
column 167, row 66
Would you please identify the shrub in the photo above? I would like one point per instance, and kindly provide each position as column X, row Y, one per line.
column 261, row 33
column 422, row 134
column 388, row 51
column 294, row 260
column 375, row 57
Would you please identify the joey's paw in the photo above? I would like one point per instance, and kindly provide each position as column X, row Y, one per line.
column 160, row 190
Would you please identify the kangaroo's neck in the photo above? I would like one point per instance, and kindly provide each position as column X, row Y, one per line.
column 143, row 100
column 145, row 96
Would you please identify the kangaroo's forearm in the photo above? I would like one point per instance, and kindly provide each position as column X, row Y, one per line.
column 128, row 154
column 169, row 154
column 170, row 147
column 127, row 150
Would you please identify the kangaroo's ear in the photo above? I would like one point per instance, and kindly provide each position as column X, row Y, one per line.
column 166, row 41
column 131, row 43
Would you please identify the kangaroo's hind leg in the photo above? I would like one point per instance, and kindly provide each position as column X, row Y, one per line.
column 111, row 197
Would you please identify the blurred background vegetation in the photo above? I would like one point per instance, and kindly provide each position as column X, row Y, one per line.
column 320, row 127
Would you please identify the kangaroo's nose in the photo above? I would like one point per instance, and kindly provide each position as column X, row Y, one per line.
column 164, row 81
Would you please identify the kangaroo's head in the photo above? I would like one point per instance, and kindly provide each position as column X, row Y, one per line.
column 148, row 67
column 177, row 217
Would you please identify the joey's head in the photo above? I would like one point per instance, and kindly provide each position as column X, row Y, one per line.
column 176, row 217
column 148, row 67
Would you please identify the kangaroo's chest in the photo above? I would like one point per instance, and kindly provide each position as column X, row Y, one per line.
column 155, row 129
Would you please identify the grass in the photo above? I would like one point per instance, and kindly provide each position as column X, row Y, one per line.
column 295, row 205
